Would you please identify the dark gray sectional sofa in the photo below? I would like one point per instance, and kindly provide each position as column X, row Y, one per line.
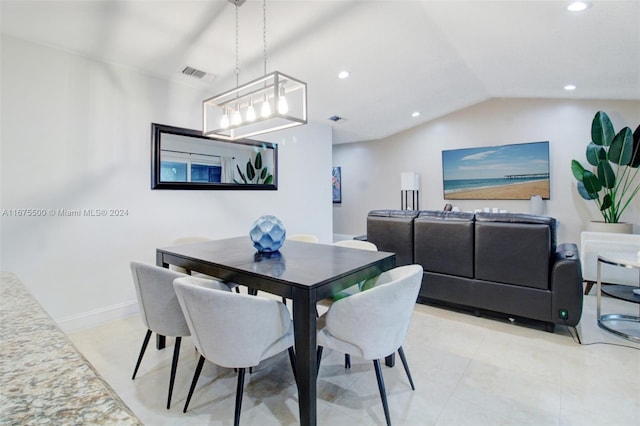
column 497, row 262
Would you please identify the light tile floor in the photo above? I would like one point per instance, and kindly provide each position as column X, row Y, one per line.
column 467, row 371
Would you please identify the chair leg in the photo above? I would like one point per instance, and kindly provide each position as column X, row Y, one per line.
column 292, row 359
column 145, row 342
column 406, row 366
column 588, row 287
column 174, row 367
column 196, row 374
column 319, row 356
column 239, row 391
column 347, row 361
column 383, row 392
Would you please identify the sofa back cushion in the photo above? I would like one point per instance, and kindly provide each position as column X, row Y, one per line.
column 392, row 231
column 443, row 242
column 514, row 248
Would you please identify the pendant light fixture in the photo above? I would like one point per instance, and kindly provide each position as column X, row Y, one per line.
column 280, row 99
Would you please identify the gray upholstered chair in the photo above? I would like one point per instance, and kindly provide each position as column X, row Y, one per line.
column 308, row 238
column 373, row 324
column 356, row 244
column 326, row 302
column 160, row 310
column 255, row 328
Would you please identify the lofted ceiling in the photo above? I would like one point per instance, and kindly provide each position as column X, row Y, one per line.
column 434, row 57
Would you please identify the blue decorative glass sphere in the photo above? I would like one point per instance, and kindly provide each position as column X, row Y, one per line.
column 268, row 234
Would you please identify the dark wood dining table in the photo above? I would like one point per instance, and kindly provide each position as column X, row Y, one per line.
column 300, row 271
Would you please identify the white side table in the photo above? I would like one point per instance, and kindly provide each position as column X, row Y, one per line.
column 624, row 259
column 594, row 243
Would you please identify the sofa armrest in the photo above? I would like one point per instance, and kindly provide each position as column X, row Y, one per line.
column 566, row 285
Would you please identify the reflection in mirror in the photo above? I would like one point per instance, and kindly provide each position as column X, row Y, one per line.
column 184, row 159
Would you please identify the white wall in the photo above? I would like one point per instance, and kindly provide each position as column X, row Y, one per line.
column 76, row 135
column 371, row 170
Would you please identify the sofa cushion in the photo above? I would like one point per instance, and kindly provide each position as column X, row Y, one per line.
column 514, row 248
column 443, row 242
column 392, row 231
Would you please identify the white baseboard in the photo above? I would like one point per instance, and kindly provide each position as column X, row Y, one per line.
column 85, row 320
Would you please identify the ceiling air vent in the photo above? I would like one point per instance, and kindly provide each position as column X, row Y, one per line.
column 335, row 118
column 194, row 72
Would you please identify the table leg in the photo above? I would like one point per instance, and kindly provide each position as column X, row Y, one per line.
column 161, row 341
column 598, row 291
column 304, row 323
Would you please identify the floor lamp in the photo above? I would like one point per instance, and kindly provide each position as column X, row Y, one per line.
column 409, row 191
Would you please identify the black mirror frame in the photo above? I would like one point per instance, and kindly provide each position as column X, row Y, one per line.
column 158, row 129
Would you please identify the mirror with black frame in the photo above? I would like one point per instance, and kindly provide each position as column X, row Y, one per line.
column 185, row 159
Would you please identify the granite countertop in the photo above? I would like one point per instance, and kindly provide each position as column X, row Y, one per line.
column 43, row 377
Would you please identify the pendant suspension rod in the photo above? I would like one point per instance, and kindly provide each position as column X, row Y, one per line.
column 237, row 71
column 264, row 33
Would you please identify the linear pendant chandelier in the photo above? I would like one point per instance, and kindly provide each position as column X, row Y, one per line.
column 272, row 102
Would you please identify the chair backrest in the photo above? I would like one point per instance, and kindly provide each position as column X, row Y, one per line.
column 392, row 231
column 514, row 248
column 357, row 244
column 159, row 307
column 304, row 237
column 377, row 320
column 234, row 330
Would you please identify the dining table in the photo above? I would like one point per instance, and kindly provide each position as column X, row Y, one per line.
column 301, row 271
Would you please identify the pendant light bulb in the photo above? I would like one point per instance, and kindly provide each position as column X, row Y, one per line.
column 236, row 118
column 251, row 111
column 283, row 106
column 224, row 121
column 266, row 108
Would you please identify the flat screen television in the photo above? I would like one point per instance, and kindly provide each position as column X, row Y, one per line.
column 501, row 172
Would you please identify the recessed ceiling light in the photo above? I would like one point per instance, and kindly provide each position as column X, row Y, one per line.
column 578, row 6
column 343, row 74
column 570, row 87
column 416, row 114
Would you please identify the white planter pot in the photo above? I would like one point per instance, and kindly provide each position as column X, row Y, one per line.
column 617, row 228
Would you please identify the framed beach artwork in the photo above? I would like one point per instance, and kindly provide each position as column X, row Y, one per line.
column 336, row 185
column 504, row 172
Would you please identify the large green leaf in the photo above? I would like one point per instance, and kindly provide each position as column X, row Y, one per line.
column 241, row 175
column 591, row 183
column 269, row 180
column 584, row 193
column 595, row 153
column 621, row 149
column 606, row 202
column 251, row 173
column 577, row 169
column 258, row 161
column 606, row 176
column 263, row 175
column 635, row 158
column 602, row 131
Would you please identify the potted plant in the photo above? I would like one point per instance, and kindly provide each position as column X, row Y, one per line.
column 256, row 173
column 613, row 181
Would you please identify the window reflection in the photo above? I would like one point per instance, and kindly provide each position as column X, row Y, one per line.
column 171, row 171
